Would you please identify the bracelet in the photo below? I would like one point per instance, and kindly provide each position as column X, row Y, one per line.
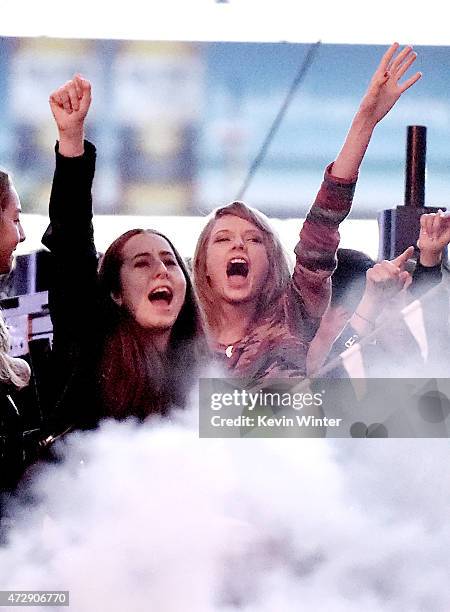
column 364, row 319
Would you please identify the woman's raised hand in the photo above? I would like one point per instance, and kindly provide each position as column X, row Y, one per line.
column 70, row 104
column 383, row 92
column 385, row 88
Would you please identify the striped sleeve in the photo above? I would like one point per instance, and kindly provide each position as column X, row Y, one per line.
column 319, row 239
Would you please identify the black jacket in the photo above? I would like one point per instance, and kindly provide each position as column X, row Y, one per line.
column 11, row 439
column 73, row 294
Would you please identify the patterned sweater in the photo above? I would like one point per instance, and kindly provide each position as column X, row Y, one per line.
column 277, row 343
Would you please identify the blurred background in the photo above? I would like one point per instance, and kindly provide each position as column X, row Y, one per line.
column 178, row 124
column 185, row 94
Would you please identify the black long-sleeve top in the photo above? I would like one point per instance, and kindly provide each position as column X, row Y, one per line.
column 73, row 293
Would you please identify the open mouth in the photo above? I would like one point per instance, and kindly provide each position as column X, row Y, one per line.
column 237, row 267
column 161, row 295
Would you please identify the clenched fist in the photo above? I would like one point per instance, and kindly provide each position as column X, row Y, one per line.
column 70, row 104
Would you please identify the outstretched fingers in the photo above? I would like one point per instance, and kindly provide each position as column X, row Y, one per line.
column 404, row 55
column 387, row 57
column 397, row 67
column 384, row 89
column 404, row 60
column 407, row 84
column 400, row 70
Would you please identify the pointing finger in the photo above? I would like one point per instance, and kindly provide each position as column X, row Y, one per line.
column 401, row 260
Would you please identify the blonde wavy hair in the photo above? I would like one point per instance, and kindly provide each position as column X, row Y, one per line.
column 278, row 276
column 13, row 371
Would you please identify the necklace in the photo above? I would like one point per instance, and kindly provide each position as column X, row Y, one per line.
column 229, row 350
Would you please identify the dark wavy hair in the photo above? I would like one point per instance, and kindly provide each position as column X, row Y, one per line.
column 135, row 378
column 349, row 279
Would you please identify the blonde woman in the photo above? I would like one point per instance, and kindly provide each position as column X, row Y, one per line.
column 14, row 373
column 261, row 318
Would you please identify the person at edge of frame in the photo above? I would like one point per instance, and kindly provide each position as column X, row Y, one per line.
column 14, row 372
column 365, row 292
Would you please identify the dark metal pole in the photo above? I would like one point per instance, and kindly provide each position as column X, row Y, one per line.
column 400, row 226
column 416, row 153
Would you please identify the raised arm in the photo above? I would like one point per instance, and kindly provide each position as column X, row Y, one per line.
column 73, row 297
column 319, row 237
column 70, row 234
column 383, row 92
column 384, row 282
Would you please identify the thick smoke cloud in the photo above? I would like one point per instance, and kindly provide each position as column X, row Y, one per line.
column 150, row 517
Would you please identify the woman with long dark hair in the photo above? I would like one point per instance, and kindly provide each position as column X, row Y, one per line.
column 128, row 334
